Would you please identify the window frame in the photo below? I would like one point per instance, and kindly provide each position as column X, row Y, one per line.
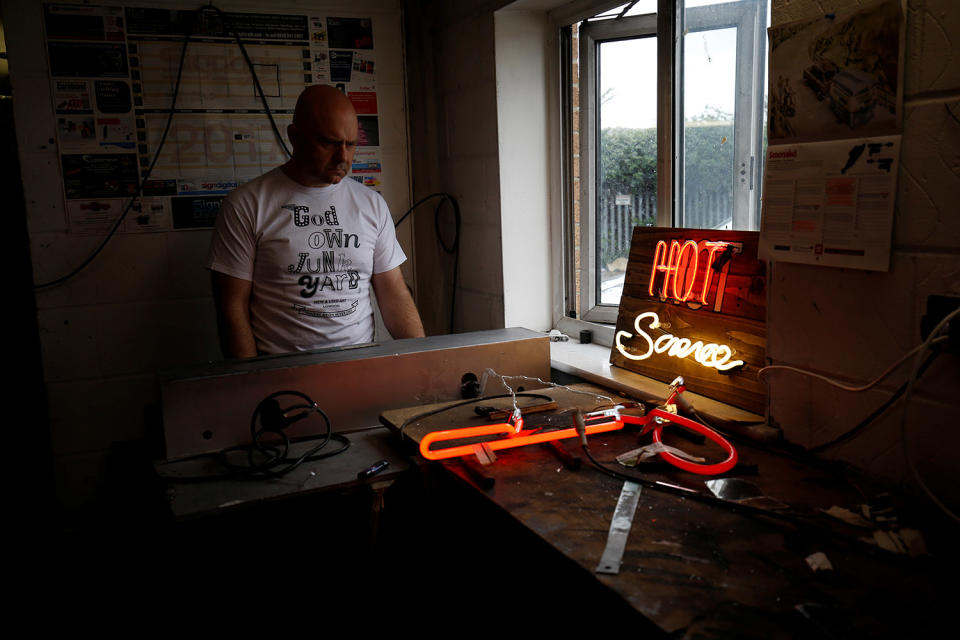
column 665, row 26
column 590, row 35
column 748, row 121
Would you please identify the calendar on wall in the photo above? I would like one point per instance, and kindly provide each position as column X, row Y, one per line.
column 113, row 71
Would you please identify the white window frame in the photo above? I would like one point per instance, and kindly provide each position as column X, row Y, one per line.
column 748, row 128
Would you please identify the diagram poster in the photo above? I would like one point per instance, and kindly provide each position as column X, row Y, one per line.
column 113, row 75
column 835, row 106
column 836, row 76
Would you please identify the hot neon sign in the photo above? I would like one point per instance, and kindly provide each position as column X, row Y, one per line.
column 711, row 355
column 680, row 266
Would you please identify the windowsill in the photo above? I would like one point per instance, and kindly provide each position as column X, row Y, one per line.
column 592, row 363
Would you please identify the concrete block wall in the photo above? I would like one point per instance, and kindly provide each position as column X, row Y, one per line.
column 144, row 305
column 526, row 77
column 453, row 129
column 850, row 323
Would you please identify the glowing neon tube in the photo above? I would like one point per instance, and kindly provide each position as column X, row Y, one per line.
column 686, row 465
column 513, row 439
column 529, row 436
column 711, row 355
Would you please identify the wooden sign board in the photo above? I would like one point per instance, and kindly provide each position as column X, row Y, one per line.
column 694, row 305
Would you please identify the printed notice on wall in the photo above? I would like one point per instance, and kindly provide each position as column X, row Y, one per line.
column 835, row 104
column 113, row 75
column 831, row 203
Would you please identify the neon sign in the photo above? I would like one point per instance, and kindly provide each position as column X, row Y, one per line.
column 680, row 266
column 593, row 422
column 711, row 355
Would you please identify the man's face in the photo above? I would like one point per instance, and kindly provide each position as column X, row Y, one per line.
column 324, row 147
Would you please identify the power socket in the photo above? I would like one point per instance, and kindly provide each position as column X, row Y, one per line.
column 938, row 307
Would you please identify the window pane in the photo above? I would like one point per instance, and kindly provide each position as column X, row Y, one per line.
column 709, row 83
column 626, row 154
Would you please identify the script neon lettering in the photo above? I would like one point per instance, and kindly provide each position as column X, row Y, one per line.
column 712, row 355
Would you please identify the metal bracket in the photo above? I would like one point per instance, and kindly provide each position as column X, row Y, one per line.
column 619, row 529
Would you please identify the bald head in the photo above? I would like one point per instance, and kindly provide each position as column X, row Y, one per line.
column 321, row 101
column 324, row 135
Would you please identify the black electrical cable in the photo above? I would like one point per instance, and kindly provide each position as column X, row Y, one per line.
column 256, row 80
column 689, row 493
column 143, row 181
column 270, row 441
column 449, row 407
column 851, row 433
column 163, row 138
column 454, row 248
column 735, row 507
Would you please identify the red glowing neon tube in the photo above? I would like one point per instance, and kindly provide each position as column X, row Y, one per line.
column 512, row 439
column 687, row 271
column 523, row 437
column 686, row 465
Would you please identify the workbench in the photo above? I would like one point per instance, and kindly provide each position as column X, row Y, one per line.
column 455, row 546
column 689, row 568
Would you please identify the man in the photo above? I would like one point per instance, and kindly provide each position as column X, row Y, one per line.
column 295, row 251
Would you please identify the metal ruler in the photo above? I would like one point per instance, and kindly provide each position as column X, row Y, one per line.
column 619, row 529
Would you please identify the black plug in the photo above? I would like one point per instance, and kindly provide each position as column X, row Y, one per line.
column 271, row 416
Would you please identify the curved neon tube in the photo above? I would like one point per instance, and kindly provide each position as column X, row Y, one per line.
column 513, row 439
column 686, row 465
column 659, row 253
column 689, row 244
column 712, row 247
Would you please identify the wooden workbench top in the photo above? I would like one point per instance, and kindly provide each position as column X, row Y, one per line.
column 700, row 569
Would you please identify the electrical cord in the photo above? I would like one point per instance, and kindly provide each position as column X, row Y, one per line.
column 735, row 507
column 851, row 433
column 143, row 181
column 454, row 248
column 840, row 385
column 268, row 454
column 463, row 403
column 848, row 435
column 163, row 138
column 256, row 80
column 904, row 423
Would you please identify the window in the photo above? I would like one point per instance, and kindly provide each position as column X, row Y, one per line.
column 666, row 116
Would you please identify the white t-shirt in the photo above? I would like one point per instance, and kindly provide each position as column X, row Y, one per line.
column 310, row 253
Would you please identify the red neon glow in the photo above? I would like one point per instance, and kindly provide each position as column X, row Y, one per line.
column 686, row 465
column 712, row 248
column 513, row 439
column 671, row 268
column 680, row 266
column 522, row 438
column 658, row 255
column 687, row 271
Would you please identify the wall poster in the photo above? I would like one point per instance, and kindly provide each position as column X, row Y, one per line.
column 113, row 71
column 835, row 106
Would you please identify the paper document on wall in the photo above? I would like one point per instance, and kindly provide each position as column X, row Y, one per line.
column 835, row 107
column 831, row 203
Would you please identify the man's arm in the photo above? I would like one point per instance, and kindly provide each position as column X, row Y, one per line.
column 232, row 299
column 396, row 305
